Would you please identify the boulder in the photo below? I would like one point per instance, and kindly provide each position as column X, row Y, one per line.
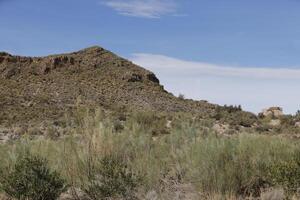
column 273, row 194
column 152, row 77
column 134, row 77
column 221, row 128
column 272, row 112
column 275, row 122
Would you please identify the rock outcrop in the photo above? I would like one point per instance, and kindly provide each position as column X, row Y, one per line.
column 275, row 112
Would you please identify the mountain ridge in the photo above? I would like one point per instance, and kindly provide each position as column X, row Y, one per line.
column 41, row 88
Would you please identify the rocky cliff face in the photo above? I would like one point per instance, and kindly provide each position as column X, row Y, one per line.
column 34, row 89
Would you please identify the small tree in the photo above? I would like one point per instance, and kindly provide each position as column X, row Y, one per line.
column 298, row 114
column 181, row 96
column 30, row 178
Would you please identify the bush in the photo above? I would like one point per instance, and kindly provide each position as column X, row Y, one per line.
column 254, row 186
column 287, row 121
column 118, row 126
column 286, row 174
column 181, row 96
column 30, row 178
column 234, row 116
column 232, row 108
column 297, row 115
column 150, row 122
column 112, row 179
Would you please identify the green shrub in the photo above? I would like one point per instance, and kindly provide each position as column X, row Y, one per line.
column 181, row 96
column 245, row 119
column 150, row 122
column 112, row 178
column 232, row 108
column 287, row 120
column 297, row 115
column 234, row 116
column 254, row 186
column 30, row 178
column 118, row 126
column 286, row 174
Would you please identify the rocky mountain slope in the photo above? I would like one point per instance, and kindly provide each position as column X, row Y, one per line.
column 34, row 89
column 40, row 91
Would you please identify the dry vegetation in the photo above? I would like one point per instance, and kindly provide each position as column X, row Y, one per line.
column 192, row 162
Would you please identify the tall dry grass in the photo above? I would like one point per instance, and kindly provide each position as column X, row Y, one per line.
column 193, row 156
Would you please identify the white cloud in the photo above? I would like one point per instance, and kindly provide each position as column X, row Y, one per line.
column 143, row 8
column 254, row 88
column 201, row 68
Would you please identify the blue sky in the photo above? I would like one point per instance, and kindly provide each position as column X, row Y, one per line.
column 228, row 52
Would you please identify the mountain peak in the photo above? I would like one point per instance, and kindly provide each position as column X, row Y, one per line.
column 92, row 49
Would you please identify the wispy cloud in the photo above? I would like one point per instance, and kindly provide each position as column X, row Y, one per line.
column 201, row 68
column 143, row 8
column 254, row 88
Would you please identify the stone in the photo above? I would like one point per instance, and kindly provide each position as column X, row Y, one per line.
column 4, row 138
column 169, row 124
column 10, row 72
column 152, row 195
column 152, row 77
column 273, row 194
column 133, row 77
column 73, row 193
column 275, row 122
column 221, row 128
column 272, row 112
column 44, row 69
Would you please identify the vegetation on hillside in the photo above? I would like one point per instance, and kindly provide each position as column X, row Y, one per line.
column 38, row 89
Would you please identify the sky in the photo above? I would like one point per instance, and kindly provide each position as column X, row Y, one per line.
column 234, row 52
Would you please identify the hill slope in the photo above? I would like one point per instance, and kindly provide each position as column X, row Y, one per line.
column 43, row 88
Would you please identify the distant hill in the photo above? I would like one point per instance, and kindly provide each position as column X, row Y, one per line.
column 34, row 89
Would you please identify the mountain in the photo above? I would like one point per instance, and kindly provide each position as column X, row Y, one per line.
column 35, row 89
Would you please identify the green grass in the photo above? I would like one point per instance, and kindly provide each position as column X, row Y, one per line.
column 192, row 154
